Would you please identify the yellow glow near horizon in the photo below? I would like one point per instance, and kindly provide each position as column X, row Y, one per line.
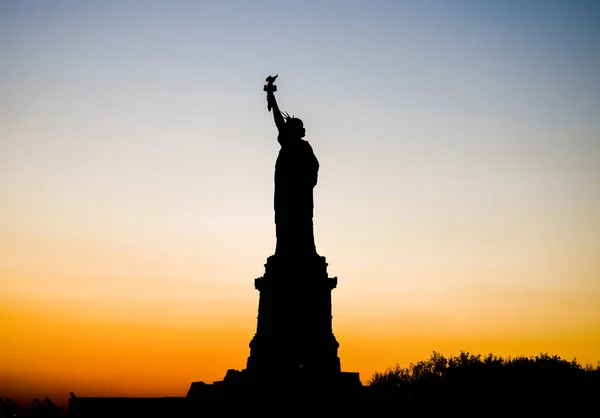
column 106, row 346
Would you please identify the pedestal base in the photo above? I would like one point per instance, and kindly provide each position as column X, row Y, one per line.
column 294, row 340
column 241, row 386
column 294, row 353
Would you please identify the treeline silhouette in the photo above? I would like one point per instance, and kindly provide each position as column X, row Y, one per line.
column 543, row 381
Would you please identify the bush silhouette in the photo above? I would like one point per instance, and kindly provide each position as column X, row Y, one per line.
column 544, row 382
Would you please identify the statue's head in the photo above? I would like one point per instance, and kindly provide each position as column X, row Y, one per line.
column 294, row 127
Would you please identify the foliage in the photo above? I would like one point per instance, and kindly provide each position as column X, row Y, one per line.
column 468, row 379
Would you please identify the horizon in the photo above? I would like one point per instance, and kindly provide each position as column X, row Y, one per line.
column 457, row 197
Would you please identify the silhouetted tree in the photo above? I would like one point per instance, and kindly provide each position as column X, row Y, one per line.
column 466, row 380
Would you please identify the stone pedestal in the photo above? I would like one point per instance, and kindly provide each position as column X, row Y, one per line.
column 294, row 354
column 294, row 340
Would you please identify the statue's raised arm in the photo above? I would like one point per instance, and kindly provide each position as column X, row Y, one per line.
column 271, row 88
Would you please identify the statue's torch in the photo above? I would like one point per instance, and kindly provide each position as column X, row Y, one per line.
column 270, row 88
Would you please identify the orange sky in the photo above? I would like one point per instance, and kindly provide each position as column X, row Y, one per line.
column 157, row 342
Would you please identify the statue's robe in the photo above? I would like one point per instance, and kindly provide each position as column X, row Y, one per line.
column 296, row 172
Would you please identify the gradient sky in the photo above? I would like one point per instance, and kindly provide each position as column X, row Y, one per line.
column 458, row 200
